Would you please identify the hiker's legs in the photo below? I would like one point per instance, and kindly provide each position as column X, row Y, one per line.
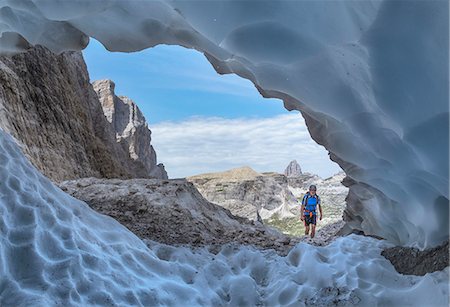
column 306, row 222
column 313, row 230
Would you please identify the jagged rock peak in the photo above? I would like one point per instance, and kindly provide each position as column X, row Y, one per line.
column 130, row 127
column 105, row 91
column 293, row 169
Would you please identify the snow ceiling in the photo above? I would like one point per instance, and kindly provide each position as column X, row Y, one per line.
column 370, row 78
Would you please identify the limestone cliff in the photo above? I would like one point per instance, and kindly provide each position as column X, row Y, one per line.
column 130, row 126
column 48, row 104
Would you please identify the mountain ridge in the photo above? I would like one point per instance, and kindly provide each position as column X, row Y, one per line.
column 270, row 195
column 49, row 105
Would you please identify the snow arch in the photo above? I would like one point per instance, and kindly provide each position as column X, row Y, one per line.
column 370, row 78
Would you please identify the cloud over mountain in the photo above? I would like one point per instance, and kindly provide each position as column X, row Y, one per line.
column 210, row 144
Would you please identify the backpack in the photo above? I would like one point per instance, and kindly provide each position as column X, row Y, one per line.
column 310, row 202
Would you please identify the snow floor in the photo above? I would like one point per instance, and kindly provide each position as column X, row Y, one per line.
column 55, row 250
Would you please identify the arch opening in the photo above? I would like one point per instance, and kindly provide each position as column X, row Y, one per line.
column 206, row 126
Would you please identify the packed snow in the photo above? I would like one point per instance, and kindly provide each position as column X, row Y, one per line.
column 370, row 78
column 55, row 250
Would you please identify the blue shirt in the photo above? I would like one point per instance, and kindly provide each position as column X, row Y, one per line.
column 310, row 202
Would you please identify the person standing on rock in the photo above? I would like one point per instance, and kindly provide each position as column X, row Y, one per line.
column 308, row 210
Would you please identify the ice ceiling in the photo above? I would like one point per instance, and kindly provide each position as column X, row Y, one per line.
column 370, row 78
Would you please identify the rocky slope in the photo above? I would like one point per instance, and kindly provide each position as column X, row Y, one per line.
column 48, row 104
column 412, row 261
column 273, row 197
column 245, row 192
column 172, row 212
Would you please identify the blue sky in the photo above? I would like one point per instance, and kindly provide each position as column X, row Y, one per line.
column 172, row 83
column 205, row 122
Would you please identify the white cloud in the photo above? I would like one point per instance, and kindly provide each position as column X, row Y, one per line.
column 201, row 145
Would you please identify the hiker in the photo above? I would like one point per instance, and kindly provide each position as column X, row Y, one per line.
column 308, row 211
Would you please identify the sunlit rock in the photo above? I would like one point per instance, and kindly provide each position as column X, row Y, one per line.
column 247, row 193
column 293, row 169
column 130, row 127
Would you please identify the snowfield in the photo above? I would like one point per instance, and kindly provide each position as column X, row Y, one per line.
column 55, row 250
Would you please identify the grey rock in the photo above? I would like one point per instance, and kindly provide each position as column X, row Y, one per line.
column 172, row 212
column 293, row 169
column 247, row 193
column 48, row 104
column 325, row 235
column 411, row 261
column 130, row 127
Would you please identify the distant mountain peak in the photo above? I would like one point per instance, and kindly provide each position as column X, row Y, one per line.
column 293, row 169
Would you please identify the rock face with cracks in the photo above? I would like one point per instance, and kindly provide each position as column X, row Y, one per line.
column 49, row 105
column 246, row 192
column 130, row 127
column 360, row 72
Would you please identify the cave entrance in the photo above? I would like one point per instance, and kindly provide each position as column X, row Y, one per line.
column 203, row 122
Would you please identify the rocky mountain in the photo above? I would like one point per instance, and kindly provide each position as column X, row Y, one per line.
column 48, row 104
column 293, row 169
column 274, row 196
column 130, row 127
column 246, row 192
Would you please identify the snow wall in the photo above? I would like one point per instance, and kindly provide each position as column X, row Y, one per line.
column 369, row 77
